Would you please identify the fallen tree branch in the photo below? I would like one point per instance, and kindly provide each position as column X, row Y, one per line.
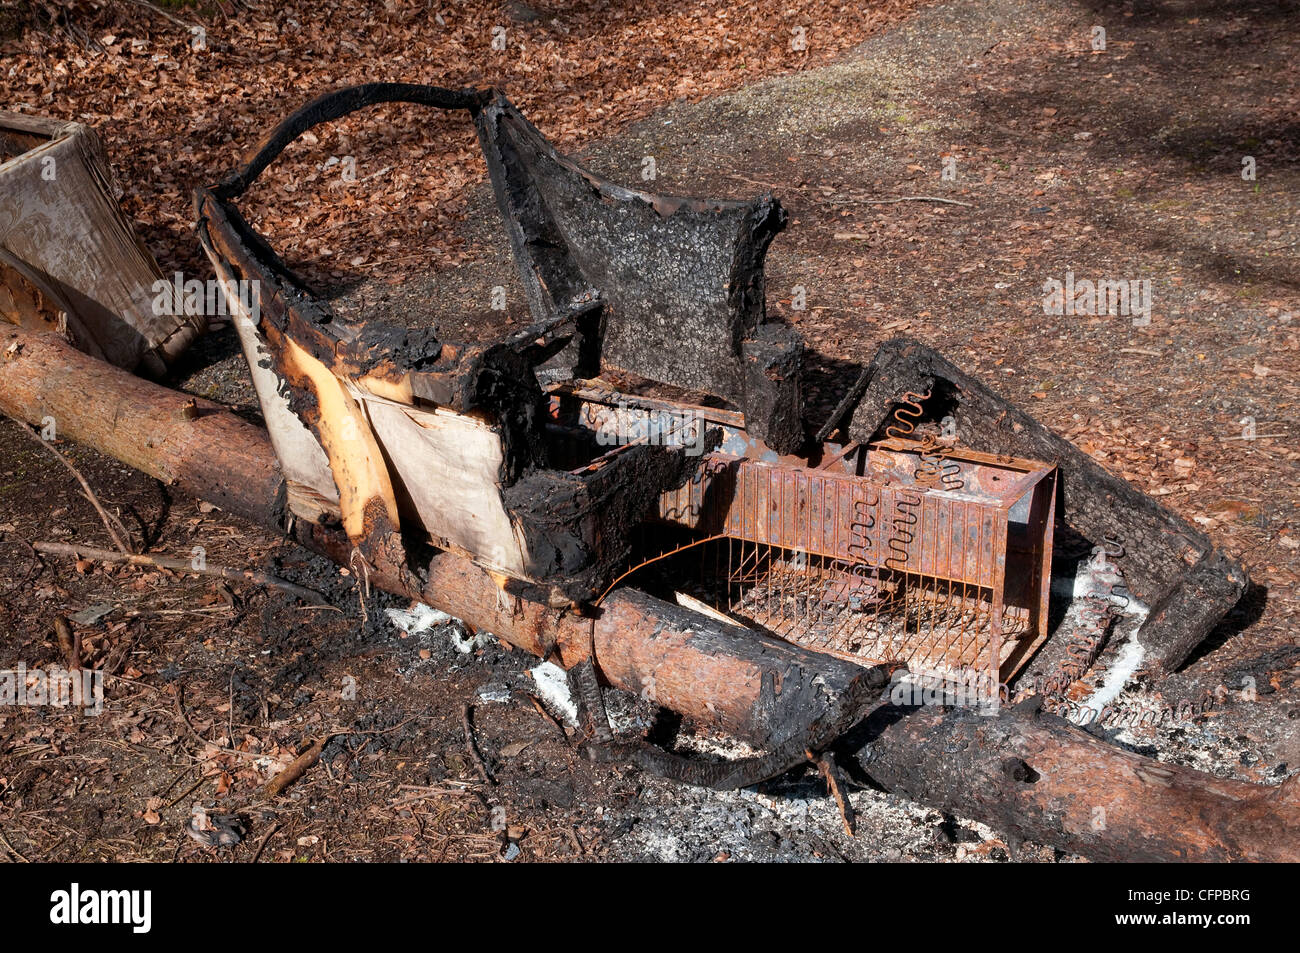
column 111, row 523
column 261, row 844
column 19, row 858
column 69, row 643
column 830, row 773
column 181, row 565
column 471, row 746
column 296, row 769
column 187, row 27
column 910, row 198
column 300, row 765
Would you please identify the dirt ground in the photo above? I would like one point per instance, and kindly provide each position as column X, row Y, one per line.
column 1122, row 163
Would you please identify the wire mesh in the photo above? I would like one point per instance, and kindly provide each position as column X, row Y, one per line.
column 903, row 551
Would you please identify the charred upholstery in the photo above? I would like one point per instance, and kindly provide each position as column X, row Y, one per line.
column 669, row 287
column 682, row 278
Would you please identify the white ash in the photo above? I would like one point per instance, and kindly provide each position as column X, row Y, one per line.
column 553, row 689
column 1095, row 578
column 420, row 619
column 494, row 692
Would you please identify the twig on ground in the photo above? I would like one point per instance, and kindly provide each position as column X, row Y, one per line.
column 541, row 710
column 218, row 750
column 466, row 713
column 369, row 731
column 186, row 793
column 69, row 643
column 13, row 850
column 164, row 14
column 261, row 845
column 34, row 569
column 772, row 186
column 185, row 719
column 174, row 781
column 835, row 786
column 111, row 523
column 180, row 565
column 912, row 198
column 296, row 769
column 425, row 795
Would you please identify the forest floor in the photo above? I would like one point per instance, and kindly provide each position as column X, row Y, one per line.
column 1117, row 164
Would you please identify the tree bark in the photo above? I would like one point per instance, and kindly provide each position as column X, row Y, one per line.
column 194, row 444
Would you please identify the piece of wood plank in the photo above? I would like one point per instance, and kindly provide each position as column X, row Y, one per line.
column 70, row 257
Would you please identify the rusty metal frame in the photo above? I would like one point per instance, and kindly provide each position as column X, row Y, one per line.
column 967, row 567
column 1170, row 565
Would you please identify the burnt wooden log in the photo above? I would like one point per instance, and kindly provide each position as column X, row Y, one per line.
column 1034, row 776
column 747, row 683
column 1168, row 564
column 1031, row 777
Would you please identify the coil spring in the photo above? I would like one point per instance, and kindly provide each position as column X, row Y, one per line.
column 1094, row 620
column 691, row 510
column 930, row 469
column 905, row 517
column 1119, row 597
column 861, row 546
column 952, row 479
column 936, row 467
column 906, row 415
column 1182, row 709
column 1113, row 546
